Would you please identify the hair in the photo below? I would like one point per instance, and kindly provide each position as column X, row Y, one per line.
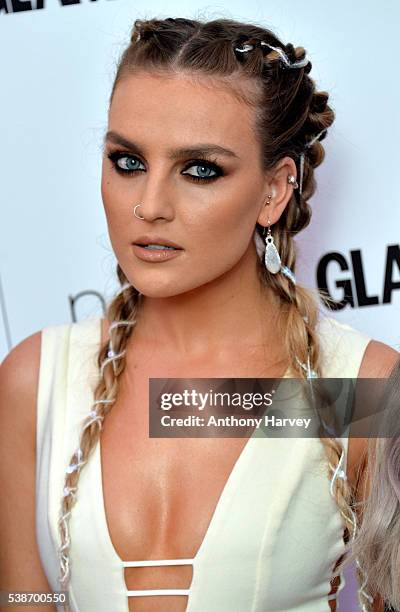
column 377, row 543
column 289, row 112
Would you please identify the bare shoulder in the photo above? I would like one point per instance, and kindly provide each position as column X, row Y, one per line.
column 24, row 354
column 20, row 564
column 19, row 375
column 379, row 360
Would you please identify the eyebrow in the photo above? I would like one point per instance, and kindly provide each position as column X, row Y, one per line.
column 196, row 150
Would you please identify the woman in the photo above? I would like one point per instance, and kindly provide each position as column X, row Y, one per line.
column 214, row 131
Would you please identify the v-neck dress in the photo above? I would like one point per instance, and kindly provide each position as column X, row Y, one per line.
column 276, row 532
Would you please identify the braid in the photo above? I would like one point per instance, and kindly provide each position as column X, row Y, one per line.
column 299, row 312
column 301, row 340
column 291, row 119
column 121, row 316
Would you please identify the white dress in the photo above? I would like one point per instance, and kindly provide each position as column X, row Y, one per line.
column 275, row 534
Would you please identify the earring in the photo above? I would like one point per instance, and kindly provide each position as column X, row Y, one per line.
column 292, row 181
column 272, row 259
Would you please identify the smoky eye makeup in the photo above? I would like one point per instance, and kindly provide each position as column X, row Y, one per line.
column 206, row 169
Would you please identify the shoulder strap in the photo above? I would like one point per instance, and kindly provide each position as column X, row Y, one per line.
column 81, row 380
column 66, row 378
column 49, row 432
column 342, row 348
column 51, row 384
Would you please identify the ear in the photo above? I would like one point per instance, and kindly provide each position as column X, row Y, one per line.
column 281, row 191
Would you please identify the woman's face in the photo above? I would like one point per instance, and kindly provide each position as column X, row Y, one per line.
column 206, row 201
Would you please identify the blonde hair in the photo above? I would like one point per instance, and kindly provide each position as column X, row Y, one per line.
column 289, row 113
column 377, row 543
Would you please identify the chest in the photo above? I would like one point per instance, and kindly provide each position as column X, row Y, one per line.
column 273, row 508
column 163, row 498
column 161, row 495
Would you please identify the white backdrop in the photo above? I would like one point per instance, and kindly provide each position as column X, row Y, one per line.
column 57, row 66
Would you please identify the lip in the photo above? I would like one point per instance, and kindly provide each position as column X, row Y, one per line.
column 154, row 255
column 152, row 239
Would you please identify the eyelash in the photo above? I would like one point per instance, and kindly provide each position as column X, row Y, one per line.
column 114, row 156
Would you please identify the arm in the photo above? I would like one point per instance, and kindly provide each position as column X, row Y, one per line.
column 20, row 565
column 378, row 361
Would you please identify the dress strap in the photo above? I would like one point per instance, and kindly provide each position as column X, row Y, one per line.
column 156, row 562
column 158, row 592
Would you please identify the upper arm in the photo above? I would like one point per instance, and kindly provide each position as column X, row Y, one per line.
column 20, row 565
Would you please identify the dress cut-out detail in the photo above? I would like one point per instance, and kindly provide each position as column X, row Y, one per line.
column 275, row 534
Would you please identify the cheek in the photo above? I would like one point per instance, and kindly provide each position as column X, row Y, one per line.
column 115, row 200
column 118, row 220
column 226, row 223
column 107, row 191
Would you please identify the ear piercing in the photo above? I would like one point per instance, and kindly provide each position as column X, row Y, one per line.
column 272, row 259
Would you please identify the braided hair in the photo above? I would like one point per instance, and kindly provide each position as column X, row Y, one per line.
column 291, row 119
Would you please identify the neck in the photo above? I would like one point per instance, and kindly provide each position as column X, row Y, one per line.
column 232, row 310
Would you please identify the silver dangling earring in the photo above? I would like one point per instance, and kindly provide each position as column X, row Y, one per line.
column 134, row 211
column 272, row 259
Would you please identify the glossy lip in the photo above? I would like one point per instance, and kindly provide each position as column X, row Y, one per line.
column 152, row 239
column 154, row 255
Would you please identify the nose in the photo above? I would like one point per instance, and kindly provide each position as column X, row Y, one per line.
column 155, row 198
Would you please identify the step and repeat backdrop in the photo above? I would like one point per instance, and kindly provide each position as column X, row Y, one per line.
column 58, row 59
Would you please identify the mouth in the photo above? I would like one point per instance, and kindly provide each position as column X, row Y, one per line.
column 154, row 242
column 157, row 247
column 155, row 253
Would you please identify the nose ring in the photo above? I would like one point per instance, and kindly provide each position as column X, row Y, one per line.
column 134, row 212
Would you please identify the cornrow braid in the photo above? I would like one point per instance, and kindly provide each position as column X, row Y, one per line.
column 283, row 55
column 291, row 119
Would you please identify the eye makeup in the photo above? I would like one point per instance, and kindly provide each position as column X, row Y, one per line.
column 204, row 163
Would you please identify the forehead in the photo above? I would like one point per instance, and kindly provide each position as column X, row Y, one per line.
column 179, row 108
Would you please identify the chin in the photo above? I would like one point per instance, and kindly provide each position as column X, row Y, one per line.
column 166, row 288
column 157, row 289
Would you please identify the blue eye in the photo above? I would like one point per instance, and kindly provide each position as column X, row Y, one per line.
column 126, row 165
column 202, row 174
column 123, row 163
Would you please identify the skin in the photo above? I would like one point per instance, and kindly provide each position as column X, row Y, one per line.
column 203, row 315
column 195, row 300
column 192, row 303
